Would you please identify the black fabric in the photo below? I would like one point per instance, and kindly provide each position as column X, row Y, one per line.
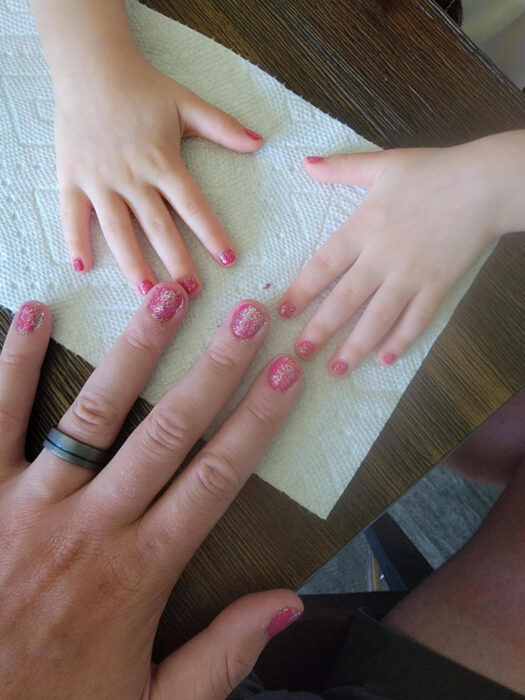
column 377, row 663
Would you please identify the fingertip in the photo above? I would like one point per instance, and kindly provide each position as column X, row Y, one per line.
column 191, row 285
column 305, row 349
column 166, row 300
column 31, row 317
column 227, row 257
column 286, row 309
column 386, row 358
column 338, row 367
column 247, row 318
column 284, row 372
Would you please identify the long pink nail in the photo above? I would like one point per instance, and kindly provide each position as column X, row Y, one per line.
column 339, row 368
column 284, row 618
column 305, row 349
column 287, row 309
column 190, row 284
column 247, row 321
column 227, row 257
column 283, row 373
column 165, row 303
column 254, row 135
column 314, row 159
column 78, row 265
column 144, row 287
column 30, row 319
column 389, row 358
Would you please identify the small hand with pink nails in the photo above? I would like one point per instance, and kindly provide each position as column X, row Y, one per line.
column 428, row 216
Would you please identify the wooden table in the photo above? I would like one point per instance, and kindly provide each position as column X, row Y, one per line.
column 401, row 74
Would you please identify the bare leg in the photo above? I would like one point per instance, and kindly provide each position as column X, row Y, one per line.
column 493, row 452
column 472, row 609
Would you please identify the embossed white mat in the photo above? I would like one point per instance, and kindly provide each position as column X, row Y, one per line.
column 276, row 215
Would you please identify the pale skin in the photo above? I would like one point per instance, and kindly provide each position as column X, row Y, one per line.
column 119, row 124
column 428, row 216
column 87, row 562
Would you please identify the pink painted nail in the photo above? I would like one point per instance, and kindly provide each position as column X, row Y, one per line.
column 254, row 135
column 284, row 618
column 165, row 303
column 287, row 309
column 283, row 373
column 78, row 265
column 30, row 318
column 144, row 287
column 247, row 321
column 389, row 358
column 314, row 159
column 190, row 284
column 227, row 257
column 305, row 349
column 339, row 368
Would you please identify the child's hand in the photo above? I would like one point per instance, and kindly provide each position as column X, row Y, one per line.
column 118, row 150
column 427, row 218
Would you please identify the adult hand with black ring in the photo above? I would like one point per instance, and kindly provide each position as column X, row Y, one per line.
column 87, row 559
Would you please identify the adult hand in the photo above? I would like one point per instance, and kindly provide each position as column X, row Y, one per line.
column 87, row 562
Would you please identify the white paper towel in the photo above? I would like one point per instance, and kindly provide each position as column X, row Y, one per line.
column 274, row 212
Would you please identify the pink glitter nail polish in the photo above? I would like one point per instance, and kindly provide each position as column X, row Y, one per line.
column 190, row 284
column 78, row 265
column 227, row 257
column 284, row 618
column 305, row 349
column 165, row 303
column 247, row 321
column 144, row 287
column 389, row 358
column 314, row 159
column 339, row 368
column 253, row 135
column 283, row 373
column 287, row 309
column 30, row 319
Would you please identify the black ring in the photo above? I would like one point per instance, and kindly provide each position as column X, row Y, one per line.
column 74, row 451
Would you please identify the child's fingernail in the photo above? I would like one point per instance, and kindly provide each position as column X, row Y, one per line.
column 227, row 257
column 283, row 619
column 254, row 135
column 30, row 318
column 287, row 309
column 165, row 303
column 78, row 265
column 305, row 349
column 339, row 368
column 389, row 358
column 314, row 159
column 144, row 287
column 190, row 284
column 283, row 373
column 247, row 321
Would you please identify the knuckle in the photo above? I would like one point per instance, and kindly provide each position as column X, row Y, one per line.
column 15, row 360
column 168, row 431
column 138, row 340
column 93, row 413
column 261, row 412
column 226, row 122
column 156, row 225
column 9, row 423
column 113, row 227
column 194, row 206
column 216, row 477
column 236, row 670
column 324, row 263
column 220, row 359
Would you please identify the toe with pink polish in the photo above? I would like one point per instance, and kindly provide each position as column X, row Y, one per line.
column 284, row 372
column 247, row 321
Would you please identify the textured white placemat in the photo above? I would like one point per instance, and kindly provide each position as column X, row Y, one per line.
column 275, row 213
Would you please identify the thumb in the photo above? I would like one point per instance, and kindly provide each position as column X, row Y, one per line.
column 214, row 662
column 348, row 168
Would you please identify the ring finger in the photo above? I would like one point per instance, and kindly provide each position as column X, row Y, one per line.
column 97, row 414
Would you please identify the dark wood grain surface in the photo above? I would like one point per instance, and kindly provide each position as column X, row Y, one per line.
column 401, row 74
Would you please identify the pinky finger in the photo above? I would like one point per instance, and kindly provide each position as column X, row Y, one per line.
column 75, row 210
column 414, row 320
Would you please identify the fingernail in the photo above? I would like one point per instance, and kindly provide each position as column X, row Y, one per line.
column 247, row 321
column 30, row 318
column 339, row 368
column 389, row 358
column 314, row 159
column 190, row 284
column 287, row 309
column 254, row 135
column 144, row 287
column 227, row 257
column 165, row 303
column 283, row 373
column 78, row 265
column 305, row 349
column 283, row 619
